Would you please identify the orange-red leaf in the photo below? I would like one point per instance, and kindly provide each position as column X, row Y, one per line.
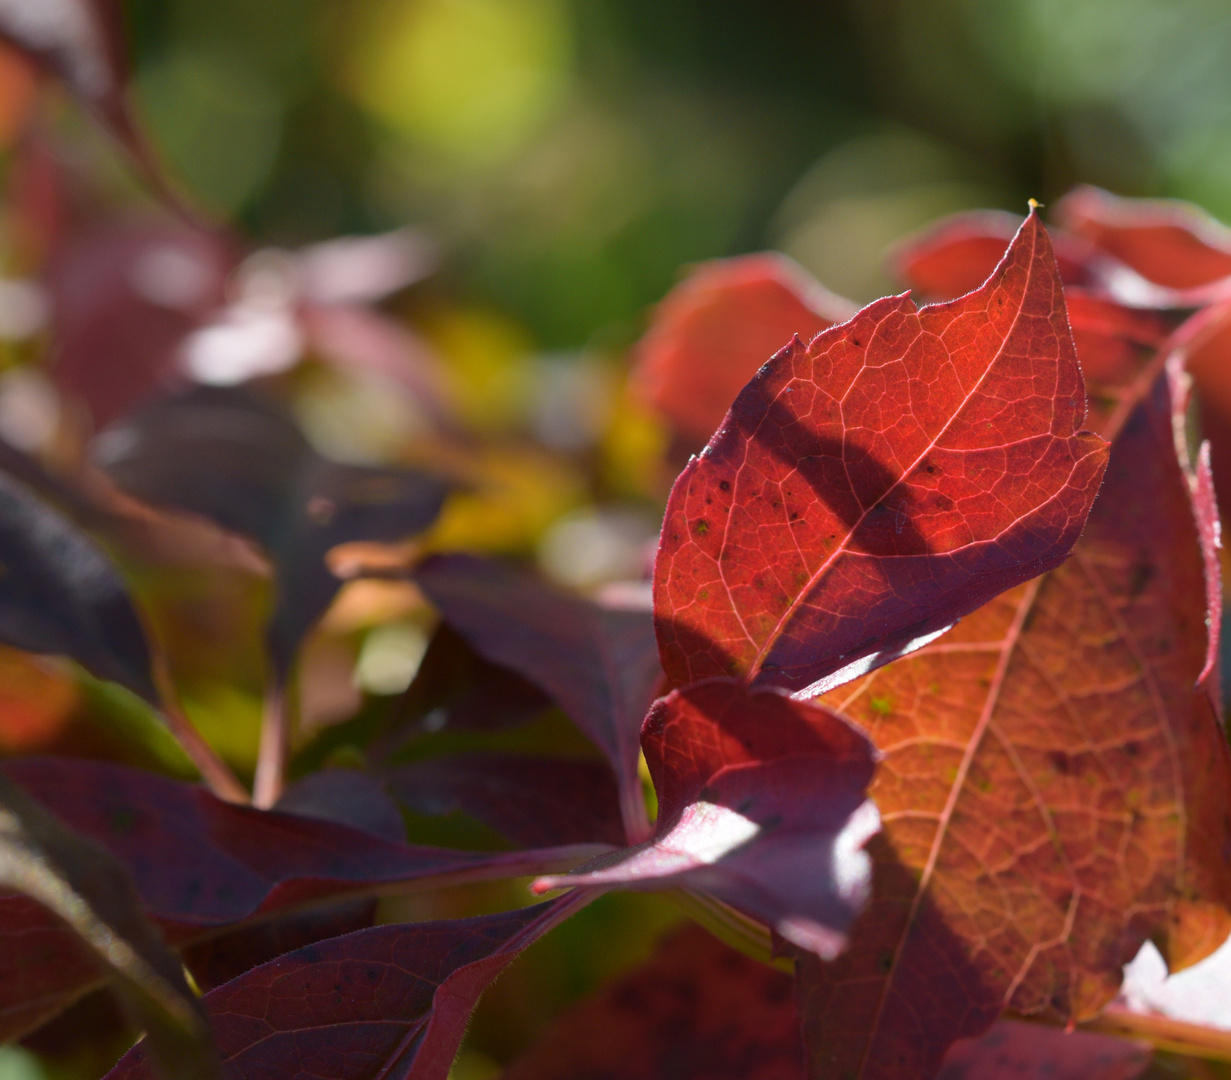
column 869, row 489
column 1054, row 790
column 718, row 326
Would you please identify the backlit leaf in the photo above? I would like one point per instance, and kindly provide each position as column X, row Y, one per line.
column 869, row 489
column 1054, row 789
column 718, row 326
column 387, row 1003
column 753, row 786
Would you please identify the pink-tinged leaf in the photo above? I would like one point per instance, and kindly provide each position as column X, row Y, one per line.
column 1054, row 790
column 598, row 663
column 718, row 326
column 534, row 801
column 1171, row 244
column 753, row 786
column 82, row 43
column 201, row 864
column 123, row 298
column 697, row 1010
column 1012, row 1050
column 389, row 1003
column 959, row 253
column 869, row 489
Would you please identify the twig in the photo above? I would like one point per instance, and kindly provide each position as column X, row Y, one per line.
column 271, row 755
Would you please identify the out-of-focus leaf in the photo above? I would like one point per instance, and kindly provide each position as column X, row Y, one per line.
column 599, row 664
column 1055, row 788
column 751, row 787
column 240, row 460
column 123, row 298
column 697, row 1010
column 1012, row 1050
column 534, row 801
column 200, row 864
column 718, row 326
column 346, row 796
column 868, row 490
column 959, row 253
column 60, row 594
column 389, row 1003
column 1172, row 244
column 89, row 891
column 82, row 43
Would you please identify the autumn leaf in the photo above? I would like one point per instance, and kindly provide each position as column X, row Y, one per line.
column 719, row 325
column 1171, row 244
column 1012, row 1050
column 387, row 1003
column 598, row 663
column 93, row 899
column 697, row 1010
column 201, row 865
column 871, row 488
column 751, row 786
column 1054, row 789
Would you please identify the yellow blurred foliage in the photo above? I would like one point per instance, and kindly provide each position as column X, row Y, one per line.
column 468, row 79
column 634, row 447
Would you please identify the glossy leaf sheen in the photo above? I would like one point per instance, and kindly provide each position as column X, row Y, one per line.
column 753, row 787
column 60, row 594
column 871, row 488
column 1054, row 789
column 387, row 1003
column 598, row 663
column 719, row 325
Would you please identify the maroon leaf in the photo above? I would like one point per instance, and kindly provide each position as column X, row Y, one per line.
column 534, row 801
column 598, row 663
column 958, row 253
column 347, row 796
column 387, row 1003
column 1012, row 1050
column 869, row 489
column 1174, row 245
column 698, row 1010
column 82, row 42
column 752, row 786
column 200, row 864
column 718, row 326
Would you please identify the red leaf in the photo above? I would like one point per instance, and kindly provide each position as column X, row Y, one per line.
column 534, row 801
column 698, row 1010
column 1012, row 1050
column 1054, row 790
column 382, row 1004
column 1171, row 244
column 598, row 663
column 198, row 864
column 869, row 489
column 959, row 253
column 718, row 326
column 752, row 786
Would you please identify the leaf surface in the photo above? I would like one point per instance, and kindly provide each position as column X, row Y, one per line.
column 387, row 1003
column 1012, row 1050
column 90, row 892
column 600, row 664
column 240, row 460
column 534, row 801
column 60, row 594
column 871, row 488
column 1172, row 244
column 720, row 324
column 1054, row 789
column 697, row 1010
column 752, row 786
column 200, row 865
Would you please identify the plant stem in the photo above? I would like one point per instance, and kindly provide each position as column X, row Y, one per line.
column 214, row 771
column 1177, row 1036
column 271, row 755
